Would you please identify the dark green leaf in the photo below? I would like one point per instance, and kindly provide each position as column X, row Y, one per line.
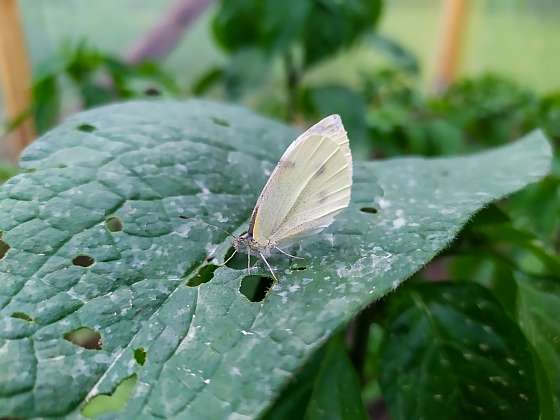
column 210, row 352
column 333, row 25
column 328, row 387
column 336, row 393
column 236, row 24
column 46, row 103
column 208, row 80
column 538, row 308
column 452, row 352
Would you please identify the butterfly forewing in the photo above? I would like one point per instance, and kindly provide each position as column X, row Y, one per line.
column 310, row 185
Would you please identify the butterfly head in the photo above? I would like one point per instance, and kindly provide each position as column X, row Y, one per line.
column 247, row 244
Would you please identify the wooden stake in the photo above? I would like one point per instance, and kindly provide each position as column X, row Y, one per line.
column 15, row 77
column 452, row 29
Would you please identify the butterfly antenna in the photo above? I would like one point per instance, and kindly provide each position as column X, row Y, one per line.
column 269, row 267
column 229, row 258
column 209, row 224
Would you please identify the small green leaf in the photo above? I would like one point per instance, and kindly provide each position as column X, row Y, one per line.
column 333, row 25
column 327, row 387
column 452, row 352
column 336, row 393
column 166, row 169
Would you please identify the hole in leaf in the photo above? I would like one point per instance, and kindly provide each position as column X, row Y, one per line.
column 255, row 288
column 370, row 210
column 203, row 275
column 114, row 224
column 86, row 128
column 140, row 355
column 239, row 261
column 84, row 337
column 220, row 121
column 299, row 268
column 4, row 247
column 21, row 315
column 111, row 403
column 152, row 91
column 83, row 261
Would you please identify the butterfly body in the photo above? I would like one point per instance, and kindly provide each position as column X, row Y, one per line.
column 248, row 245
column 309, row 186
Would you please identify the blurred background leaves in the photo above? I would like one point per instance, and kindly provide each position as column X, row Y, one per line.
column 300, row 60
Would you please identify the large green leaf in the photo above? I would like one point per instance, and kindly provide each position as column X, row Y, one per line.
column 452, row 352
column 209, row 352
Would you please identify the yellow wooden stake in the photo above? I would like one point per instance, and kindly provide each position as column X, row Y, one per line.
column 453, row 24
column 15, row 77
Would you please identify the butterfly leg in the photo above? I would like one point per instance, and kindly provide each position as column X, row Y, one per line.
column 248, row 261
column 269, row 267
column 289, row 255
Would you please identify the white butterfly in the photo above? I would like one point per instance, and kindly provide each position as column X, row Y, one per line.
column 310, row 185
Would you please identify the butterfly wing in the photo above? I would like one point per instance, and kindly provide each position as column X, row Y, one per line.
column 310, row 185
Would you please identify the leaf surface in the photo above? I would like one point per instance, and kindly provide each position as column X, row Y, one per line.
column 209, row 351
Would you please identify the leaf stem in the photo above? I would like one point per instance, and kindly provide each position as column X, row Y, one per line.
column 293, row 79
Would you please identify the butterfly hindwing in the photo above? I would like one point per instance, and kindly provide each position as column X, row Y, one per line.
column 310, row 185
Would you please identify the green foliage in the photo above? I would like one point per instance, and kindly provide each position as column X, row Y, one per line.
column 320, row 28
column 538, row 303
column 98, row 78
column 153, row 164
column 6, row 172
column 327, row 388
column 452, row 352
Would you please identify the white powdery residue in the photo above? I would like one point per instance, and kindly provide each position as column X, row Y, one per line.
column 447, row 211
column 202, row 187
column 399, row 212
column 220, row 217
column 294, row 288
column 329, row 237
column 182, row 230
column 211, row 248
column 399, row 222
column 235, row 371
column 284, row 296
column 383, row 204
column 180, row 167
column 246, row 332
column 206, row 381
column 308, row 280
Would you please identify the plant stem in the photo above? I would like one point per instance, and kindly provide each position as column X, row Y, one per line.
column 293, row 79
